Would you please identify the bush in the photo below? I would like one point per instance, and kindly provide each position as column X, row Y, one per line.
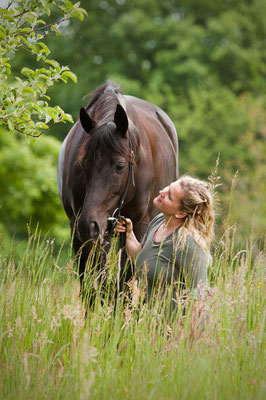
column 28, row 186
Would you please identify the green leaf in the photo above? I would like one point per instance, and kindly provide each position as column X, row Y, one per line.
column 44, row 77
column 27, row 71
column 64, row 79
column 41, row 125
column 36, row 107
column 79, row 13
column 56, row 29
column 70, row 75
column 44, row 48
column 68, row 117
column 40, row 21
column 52, row 62
column 10, row 125
column 28, row 90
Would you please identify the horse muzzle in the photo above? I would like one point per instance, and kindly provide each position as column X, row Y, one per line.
column 88, row 230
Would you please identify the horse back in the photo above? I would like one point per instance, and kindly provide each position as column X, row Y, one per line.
column 151, row 121
column 157, row 132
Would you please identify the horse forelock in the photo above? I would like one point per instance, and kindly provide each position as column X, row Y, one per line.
column 104, row 137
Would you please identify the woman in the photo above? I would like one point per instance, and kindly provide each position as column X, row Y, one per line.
column 176, row 246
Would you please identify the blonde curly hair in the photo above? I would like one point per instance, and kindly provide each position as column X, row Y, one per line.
column 197, row 203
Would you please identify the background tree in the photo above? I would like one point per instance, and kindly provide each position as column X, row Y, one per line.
column 28, row 185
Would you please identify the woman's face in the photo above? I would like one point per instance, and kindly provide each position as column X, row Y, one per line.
column 168, row 201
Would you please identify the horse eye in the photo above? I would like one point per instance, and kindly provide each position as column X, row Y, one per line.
column 119, row 167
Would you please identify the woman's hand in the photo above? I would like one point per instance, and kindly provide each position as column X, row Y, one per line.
column 124, row 225
column 132, row 244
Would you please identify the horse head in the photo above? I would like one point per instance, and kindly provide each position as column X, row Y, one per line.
column 104, row 159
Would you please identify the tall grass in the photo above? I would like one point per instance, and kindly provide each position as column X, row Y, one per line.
column 125, row 349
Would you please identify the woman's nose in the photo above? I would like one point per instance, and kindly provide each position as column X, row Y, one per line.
column 164, row 191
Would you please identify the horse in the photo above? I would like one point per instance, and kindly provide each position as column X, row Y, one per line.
column 116, row 157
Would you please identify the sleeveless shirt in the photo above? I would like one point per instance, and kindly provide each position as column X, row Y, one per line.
column 165, row 262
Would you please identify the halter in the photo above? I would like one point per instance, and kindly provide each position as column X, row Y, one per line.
column 130, row 178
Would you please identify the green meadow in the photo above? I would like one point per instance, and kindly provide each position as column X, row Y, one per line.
column 124, row 348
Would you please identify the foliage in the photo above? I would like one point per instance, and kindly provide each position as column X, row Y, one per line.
column 173, row 47
column 49, row 350
column 28, row 186
column 24, row 102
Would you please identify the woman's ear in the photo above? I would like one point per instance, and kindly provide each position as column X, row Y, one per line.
column 181, row 215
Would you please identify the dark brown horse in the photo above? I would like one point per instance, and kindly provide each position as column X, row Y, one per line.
column 121, row 152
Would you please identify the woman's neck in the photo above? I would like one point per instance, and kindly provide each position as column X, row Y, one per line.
column 171, row 222
column 167, row 228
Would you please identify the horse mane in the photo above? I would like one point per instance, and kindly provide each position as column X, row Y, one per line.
column 102, row 109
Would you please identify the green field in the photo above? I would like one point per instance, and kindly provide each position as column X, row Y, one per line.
column 49, row 350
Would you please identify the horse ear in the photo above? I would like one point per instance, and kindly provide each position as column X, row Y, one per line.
column 86, row 121
column 121, row 120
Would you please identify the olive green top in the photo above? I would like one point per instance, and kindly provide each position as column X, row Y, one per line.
column 166, row 263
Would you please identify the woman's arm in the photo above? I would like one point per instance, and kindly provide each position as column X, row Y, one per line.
column 132, row 244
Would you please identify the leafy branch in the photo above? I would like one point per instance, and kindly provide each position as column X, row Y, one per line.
column 24, row 102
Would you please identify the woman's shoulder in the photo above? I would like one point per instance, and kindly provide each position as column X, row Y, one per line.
column 186, row 243
column 157, row 220
column 154, row 224
column 193, row 250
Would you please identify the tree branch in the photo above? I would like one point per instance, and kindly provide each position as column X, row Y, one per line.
column 41, row 28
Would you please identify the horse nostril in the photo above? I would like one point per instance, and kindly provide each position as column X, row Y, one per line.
column 88, row 230
column 93, row 229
